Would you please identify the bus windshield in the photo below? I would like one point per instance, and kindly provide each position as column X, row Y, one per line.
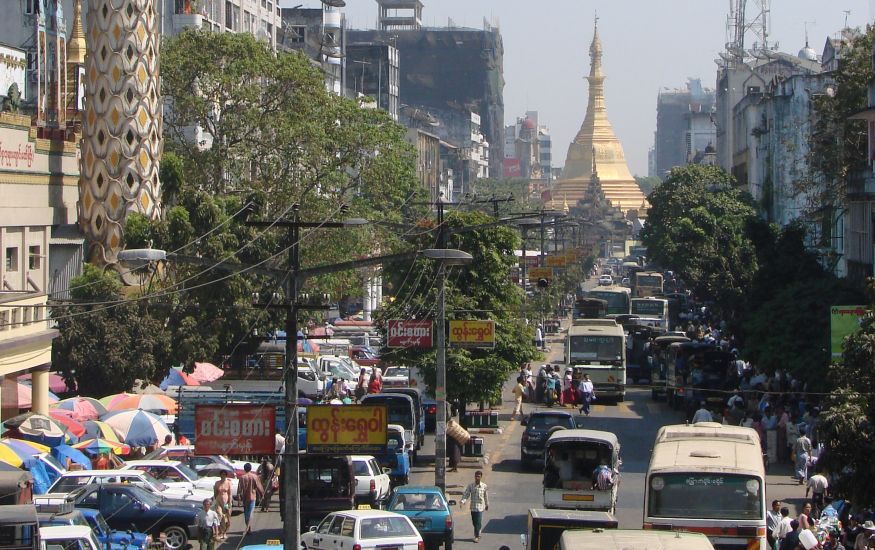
column 618, row 301
column 705, row 496
column 648, row 308
column 596, row 348
column 649, row 280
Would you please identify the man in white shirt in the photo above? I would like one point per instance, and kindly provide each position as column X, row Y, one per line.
column 818, row 485
column 703, row 414
column 784, row 528
column 477, row 493
column 773, row 520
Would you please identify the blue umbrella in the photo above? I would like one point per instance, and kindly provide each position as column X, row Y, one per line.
column 137, row 428
column 63, row 452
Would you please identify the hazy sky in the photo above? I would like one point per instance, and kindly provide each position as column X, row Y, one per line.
column 648, row 45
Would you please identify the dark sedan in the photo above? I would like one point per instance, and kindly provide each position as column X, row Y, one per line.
column 539, row 426
column 126, row 506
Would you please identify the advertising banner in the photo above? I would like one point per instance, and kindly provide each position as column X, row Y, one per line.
column 536, row 273
column 844, row 321
column 234, row 429
column 472, row 334
column 555, row 261
column 409, row 334
column 347, row 429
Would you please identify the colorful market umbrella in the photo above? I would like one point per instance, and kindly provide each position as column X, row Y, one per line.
column 39, row 428
column 57, row 384
column 17, row 451
column 99, row 429
column 109, row 400
column 137, row 428
column 94, row 447
column 83, row 408
column 25, row 396
column 147, row 402
column 206, row 372
column 70, row 423
column 175, row 377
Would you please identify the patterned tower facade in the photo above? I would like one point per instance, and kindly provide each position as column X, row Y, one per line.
column 121, row 141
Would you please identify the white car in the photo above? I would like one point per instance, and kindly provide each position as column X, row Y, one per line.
column 308, row 380
column 606, row 280
column 72, row 480
column 372, row 484
column 65, row 537
column 396, row 377
column 364, row 530
column 173, row 473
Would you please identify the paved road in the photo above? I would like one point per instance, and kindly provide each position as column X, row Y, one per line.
column 513, row 492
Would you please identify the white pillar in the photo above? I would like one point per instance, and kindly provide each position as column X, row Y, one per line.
column 367, row 300
column 379, row 290
column 40, row 393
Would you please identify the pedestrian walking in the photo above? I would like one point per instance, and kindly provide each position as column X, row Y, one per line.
column 587, row 394
column 518, row 392
column 375, row 385
column 539, row 337
column 266, row 473
column 222, row 496
column 249, row 489
column 208, row 526
column 818, row 485
column 477, row 493
column 361, row 387
column 801, row 454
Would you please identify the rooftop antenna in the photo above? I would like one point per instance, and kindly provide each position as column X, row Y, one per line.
column 847, row 13
column 806, row 23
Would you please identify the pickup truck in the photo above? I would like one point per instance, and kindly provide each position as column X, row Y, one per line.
column 546, row 526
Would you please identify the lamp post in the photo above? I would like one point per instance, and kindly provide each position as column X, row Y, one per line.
column 444, row 257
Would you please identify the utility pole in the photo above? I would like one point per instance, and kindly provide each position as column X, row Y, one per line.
column 440, row 390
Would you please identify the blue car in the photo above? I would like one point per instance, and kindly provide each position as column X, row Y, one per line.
column 429, row 511
column 396, row 458
column 108, row 538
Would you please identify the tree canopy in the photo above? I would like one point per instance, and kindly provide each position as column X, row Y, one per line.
column 479, row 290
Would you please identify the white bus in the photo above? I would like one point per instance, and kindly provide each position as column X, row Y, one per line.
column 655, row 309
column 598, row 347
column 708, row 478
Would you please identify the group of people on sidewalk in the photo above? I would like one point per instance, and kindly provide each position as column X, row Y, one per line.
column 338, row 388
column 216, row 520
column 567, row 391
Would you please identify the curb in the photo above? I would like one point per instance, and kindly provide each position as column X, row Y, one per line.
column 484, row 430
column 473, row 462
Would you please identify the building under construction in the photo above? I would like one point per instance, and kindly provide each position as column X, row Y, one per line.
column 448, row 73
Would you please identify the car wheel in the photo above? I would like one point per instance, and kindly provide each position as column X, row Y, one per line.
column 525, row 463
column 176, row 537
column 448, row 544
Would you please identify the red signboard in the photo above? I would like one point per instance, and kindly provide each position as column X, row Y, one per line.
column 510, row 168
column 234, row 429
column 409, row 334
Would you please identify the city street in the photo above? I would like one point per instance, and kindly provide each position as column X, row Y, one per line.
column 512, row 491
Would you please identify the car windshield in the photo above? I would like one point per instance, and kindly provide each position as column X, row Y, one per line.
column 144, row 496
column 189, row 474
column 384, row 527
column 99, row 520
column 430, row 502
column 547, row 421
column 53, row 461
column 397, row 371
column 706, row 496
column 151, row 480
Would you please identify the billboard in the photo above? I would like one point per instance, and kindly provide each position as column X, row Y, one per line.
column 844, row 321
column 409, row 334
column 555, row 261
column 472, row 334
column 510, row 168
column 540, row 273
column 347, row 429
column 234, row 429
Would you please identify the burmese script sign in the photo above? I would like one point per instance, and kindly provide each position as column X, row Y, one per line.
column 16, row 155
column 472, row 334
column 347, row 429
column 409, row 334
column 234, row 429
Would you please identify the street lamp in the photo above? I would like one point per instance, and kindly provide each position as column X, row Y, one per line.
column 142, row 261
column 444, row 257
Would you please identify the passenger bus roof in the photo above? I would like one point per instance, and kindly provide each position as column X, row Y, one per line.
column 616, row 539
column 707, row 446
column 605, row 330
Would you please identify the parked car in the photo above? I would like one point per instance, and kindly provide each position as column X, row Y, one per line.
column 395, row 458
column 327, row 484
column 372, row 485
column 364, row 530
column 429, row 511
column 539, row 426
column 65, row 537
column 606, row 280
column 173, row 473
column 125, row 506
column 72, row 480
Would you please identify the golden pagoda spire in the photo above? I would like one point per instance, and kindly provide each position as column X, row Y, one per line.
column 76, row 42
column 565, row 208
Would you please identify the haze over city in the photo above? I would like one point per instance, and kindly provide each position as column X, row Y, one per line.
column 648, row 46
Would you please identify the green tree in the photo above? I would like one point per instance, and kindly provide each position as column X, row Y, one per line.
column 647, row 183
column 105, row 342
column 697, row 226
column 481, row 290
column 848, row 422
column 503, row 189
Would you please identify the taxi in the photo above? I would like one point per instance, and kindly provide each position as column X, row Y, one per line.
column 363, row 530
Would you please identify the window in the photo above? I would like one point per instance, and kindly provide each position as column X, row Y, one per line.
column 12, row 258
column 67, row 484
column 4, row 320
column 28, row 315
column 348, row 529
column 31, row 6
column 336, row 526
column 297, row 34
column 34, row 257
column 326, row 523
column 376, row 528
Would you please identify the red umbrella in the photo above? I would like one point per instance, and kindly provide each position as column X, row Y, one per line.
column 56, row 382
column 206, row 372
column 67, row 419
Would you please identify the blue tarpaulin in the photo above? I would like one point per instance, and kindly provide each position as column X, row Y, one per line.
column 63, row 452
column 37, row 469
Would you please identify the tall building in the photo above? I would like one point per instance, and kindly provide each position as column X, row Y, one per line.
column 320, row 33
column 528, row 149
column 373, row 70
column 684, row 125
column 448, row 74
column 596, row 150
